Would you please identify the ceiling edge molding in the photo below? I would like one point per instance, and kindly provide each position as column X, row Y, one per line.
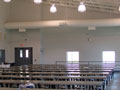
column 65, row 23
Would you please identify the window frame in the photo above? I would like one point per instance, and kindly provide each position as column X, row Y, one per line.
column 72, row 59
column 110, row 60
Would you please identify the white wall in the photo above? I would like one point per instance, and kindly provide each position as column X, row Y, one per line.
column 4, row 10
column 51, row 44
column 30, row 38
column 90, row 44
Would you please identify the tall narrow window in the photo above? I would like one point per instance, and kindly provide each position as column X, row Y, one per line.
column 72, row 56
column 27, row 53
column 21, row 53
column 108, row 56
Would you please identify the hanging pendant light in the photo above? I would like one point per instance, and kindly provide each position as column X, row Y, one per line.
column 82, row 7
column 119, row 8
column 53, row 8
column 37, row 1
column 7, row 1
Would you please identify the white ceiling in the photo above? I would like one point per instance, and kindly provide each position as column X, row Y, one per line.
column 110, row 6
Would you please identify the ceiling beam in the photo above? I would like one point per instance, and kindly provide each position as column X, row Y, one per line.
column 65, row 23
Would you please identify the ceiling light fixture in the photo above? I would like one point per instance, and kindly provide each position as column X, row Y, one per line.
column 37, row 1
column 82, row 7
column 7, row 1
column 53, row 8
column 119, row 8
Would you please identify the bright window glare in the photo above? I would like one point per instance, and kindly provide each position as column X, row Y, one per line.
column 27, row 53
column 108, row 56
column 21, row 53
column 73, row 56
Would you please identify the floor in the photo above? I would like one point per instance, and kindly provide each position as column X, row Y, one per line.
column 115, row 83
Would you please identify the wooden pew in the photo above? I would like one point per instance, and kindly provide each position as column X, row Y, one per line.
column 57, row 78
column 89, row 84
column 35, row 89
column 58, row 75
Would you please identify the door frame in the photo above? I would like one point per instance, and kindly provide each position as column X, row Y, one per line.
column 24, row 48
column 3, row 50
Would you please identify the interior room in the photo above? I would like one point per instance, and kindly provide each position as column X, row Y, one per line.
column 39, row 38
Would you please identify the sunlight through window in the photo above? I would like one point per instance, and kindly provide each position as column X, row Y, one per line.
column 108, row 56
column 72, row 56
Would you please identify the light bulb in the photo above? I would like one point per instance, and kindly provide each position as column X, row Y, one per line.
column 53, row 9
column 82, row 7
column 7, row 0
column 119, row 8
column 37, row 1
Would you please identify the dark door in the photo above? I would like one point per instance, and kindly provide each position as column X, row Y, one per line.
column 23, row 56
column 2, row 56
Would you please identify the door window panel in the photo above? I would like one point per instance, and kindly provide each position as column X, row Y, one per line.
column 27, row 53
column 21, row 53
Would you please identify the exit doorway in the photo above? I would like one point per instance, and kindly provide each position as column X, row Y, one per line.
column 23, row 56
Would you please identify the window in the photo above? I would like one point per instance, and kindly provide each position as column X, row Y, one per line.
column 21, row 53
column 27, row 53
column 72, row 56
column 108, row 56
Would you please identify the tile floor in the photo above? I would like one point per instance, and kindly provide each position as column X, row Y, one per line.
column 115, row 83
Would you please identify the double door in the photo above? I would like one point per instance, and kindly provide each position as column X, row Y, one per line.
column 23, row 56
